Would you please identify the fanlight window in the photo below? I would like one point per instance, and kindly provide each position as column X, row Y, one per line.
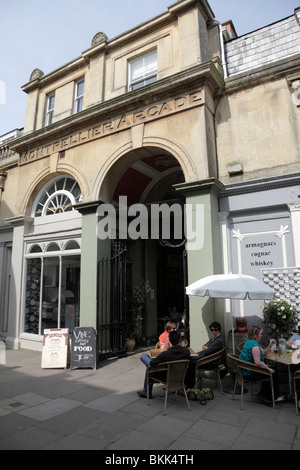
column 59, row 196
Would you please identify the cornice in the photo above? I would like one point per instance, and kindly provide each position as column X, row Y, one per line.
column 207, row 186
column 108, row 46
column 19, row 220
column 204, row 74
column 258, row 185
column 88, row 207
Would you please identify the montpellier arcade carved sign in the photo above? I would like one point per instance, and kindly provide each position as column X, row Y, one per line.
column 122, row 122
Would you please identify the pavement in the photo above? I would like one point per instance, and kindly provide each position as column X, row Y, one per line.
column 87, row 409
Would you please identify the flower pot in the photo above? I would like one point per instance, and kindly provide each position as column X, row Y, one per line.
column 130, row 344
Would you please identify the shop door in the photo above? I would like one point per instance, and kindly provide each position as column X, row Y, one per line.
column 111, row 326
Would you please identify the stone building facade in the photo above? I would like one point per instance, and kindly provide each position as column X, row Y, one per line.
column 178, row 113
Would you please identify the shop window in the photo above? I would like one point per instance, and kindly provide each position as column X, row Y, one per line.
column 57, row 197
column 32, row 301
column 143, row 70
column 52, row 291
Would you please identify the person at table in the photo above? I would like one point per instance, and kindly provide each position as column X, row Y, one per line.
column 164, row 341
column 254, row 354
column 214, row 345
column 177, row 352
column 295, row 339
column 175, row 316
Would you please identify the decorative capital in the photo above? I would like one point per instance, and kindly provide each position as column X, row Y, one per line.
column 294, row 206
column 223, row 216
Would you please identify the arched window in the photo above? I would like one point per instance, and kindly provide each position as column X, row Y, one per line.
column 57, row 197
column 53, row 247
column 35, row 249
column 72, row 245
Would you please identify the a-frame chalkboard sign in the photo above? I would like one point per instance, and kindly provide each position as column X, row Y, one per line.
column 84, row 348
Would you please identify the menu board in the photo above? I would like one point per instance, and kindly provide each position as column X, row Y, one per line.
column 84, row 348
column 55, row 348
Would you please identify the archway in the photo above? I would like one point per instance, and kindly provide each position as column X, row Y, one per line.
column 144, row 179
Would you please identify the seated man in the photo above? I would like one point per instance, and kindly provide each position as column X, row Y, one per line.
column 214, row 345
column 177, row 352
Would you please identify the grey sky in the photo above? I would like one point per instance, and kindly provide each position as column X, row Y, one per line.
column 47, row 34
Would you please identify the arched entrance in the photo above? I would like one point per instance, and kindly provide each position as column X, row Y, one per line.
column 152, row 249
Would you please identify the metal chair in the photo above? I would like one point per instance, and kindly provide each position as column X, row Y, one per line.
column 172, row 375
column 211, row 363
column 297, row 388
column 239, row 365
column 241, row 345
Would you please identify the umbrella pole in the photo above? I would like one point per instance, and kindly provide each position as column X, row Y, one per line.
column 232, row 328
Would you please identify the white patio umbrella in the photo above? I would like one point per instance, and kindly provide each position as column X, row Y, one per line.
column 231, row 286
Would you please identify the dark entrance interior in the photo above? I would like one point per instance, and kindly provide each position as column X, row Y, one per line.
column 149, row 180
column 171, row 283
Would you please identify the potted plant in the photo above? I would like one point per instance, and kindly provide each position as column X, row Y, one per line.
column 280, row 316
column 141, row 293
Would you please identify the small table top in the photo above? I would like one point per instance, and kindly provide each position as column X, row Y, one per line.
column 286, row 359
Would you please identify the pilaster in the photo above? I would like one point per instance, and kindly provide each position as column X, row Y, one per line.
column 88, row 269
column 204, row 257
column 295, row 218
column 14, row 328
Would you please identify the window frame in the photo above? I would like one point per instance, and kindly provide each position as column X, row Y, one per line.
column 144, row 79
column 62, row 254
column 78, row 99
column 54, row 194
column 49, row 111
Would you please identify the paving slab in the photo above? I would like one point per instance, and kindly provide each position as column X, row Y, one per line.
column 85, row 409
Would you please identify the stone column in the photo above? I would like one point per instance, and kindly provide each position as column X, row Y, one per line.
column 19, row 224
column 88, row 269
column 204, row 252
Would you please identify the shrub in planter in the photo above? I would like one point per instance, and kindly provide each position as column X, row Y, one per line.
column 280, row 316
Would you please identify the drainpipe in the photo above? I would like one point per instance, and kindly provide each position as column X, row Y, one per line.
column 224, row 64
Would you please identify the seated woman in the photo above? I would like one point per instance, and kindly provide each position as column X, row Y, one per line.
column 214, row 345
column 253, row 354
